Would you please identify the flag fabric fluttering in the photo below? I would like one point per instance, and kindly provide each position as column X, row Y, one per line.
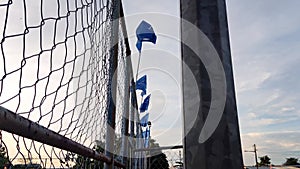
column 144, row 120
column 141, row 84
column 146, row 137
column 146, row 133
column 144, row 106
column 146, row 143
column 144, row 33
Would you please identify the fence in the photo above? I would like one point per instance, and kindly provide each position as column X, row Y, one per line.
column 65, row 79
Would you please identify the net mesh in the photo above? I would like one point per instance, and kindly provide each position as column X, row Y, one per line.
column 54, row 70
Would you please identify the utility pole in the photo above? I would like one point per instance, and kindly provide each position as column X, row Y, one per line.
column 255, row 153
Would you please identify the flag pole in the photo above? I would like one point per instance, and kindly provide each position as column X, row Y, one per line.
column 137, row 70
column 138, row 66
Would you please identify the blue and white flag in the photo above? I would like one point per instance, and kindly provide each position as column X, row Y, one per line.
column 141, row 84
column 144, row 33
column 147, row 138
column 144, row 120
column 146, row 143
column 146, row 133
column 145, row 104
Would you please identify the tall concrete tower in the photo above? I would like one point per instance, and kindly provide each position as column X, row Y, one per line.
column 222, row 150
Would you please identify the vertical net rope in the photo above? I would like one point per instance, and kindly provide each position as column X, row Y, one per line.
column 54, row 70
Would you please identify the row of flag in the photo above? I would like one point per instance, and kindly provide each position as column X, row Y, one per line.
column 144, row 33
column 143, row 109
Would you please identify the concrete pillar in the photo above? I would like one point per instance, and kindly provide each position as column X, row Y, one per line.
column 223, row 148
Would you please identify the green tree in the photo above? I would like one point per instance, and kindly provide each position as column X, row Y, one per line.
column 291, row 161
column 82, row 162
column 264, row 161
column 158, row 159
column 3, row 157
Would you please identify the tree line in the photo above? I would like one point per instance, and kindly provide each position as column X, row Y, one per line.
column 266, row 161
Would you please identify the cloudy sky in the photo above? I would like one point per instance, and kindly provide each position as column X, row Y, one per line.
column 265, row 50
